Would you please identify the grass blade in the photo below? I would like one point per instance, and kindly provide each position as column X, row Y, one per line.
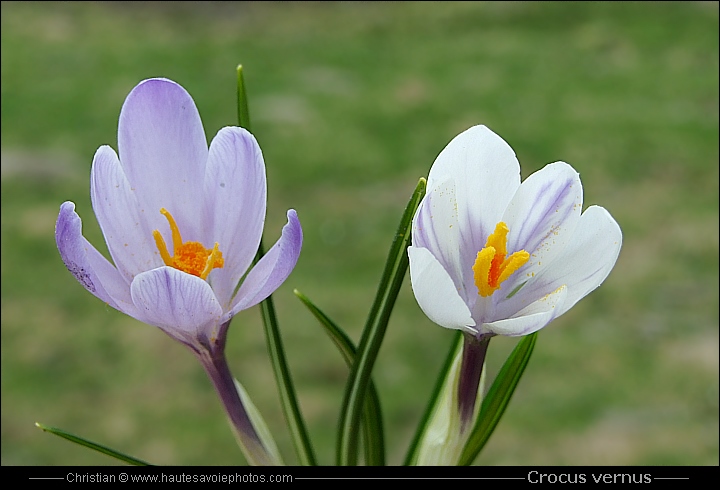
column 372, row 415
column 374, row 332
column 286, row 389
column 498, row 397
column 93, row 445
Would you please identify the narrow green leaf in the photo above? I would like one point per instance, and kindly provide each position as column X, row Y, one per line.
column 286, row 389
column 243, row 110
column 93, row 445
column 258, row 422
column 288, row 399
column 498, row 397
column 374, row 332
column 372, row 414
column 434, row 398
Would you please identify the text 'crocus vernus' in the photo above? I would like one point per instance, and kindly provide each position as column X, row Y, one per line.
column 182, row 224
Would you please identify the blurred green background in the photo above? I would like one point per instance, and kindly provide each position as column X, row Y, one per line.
column 351, row 103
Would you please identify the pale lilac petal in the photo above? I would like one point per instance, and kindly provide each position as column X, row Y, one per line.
column 89, row 267
column 542, row 217
column 181, row 304
column 532, row 318
column 436, row 228
column 585, row 262
column 435, row 292
column 272, row 270
column 236, row 195
column 486, row 175
column 163, row 151
column 128, row 238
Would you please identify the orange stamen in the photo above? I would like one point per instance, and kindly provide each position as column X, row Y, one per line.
column 190, row 257
column 492, row 266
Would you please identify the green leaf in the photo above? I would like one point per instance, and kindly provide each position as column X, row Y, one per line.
column 92, row 445
column 286, row 389
column 372, row 414
column 498, row 397
column 243, row 110
column 374, row 332
column 441, row 382
column 261, row 428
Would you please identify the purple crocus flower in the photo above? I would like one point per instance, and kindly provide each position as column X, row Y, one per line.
column 493, row 256
column 182, row 224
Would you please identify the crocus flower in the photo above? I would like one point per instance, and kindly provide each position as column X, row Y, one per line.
column 182, row 224
column 493, row 256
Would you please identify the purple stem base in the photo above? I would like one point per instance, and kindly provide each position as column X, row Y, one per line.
column 213, row 360
column 473, row 358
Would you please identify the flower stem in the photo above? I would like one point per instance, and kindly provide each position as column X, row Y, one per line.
column 473, row 359
column 217, row 369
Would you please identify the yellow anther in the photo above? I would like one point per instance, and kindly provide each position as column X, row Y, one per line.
column 492, row 266
column 190, row 257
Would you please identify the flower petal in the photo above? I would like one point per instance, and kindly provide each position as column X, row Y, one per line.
column 163, row 151
column 486, row 175
column 89, row 267
column 585, row 262
column 181, row 304
column 542, row 217
column 532, row 318
column 436, row 228
column 435, row 292
column 128, row 238
column 272, row 270
column 236, row 196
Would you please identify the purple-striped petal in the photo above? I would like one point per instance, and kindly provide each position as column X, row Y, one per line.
column 181, row 304
column 542, row 217
column 89, row 267
column 236, row 195
column 163, row 152
column 486, row 175
column 436, row 293
column 585, row 262
column 436, row 228
column 272, row 270
column 126, row 233
column 532, row 318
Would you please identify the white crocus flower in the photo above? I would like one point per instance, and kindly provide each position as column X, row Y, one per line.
column 490, row 255
column 493, row 256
